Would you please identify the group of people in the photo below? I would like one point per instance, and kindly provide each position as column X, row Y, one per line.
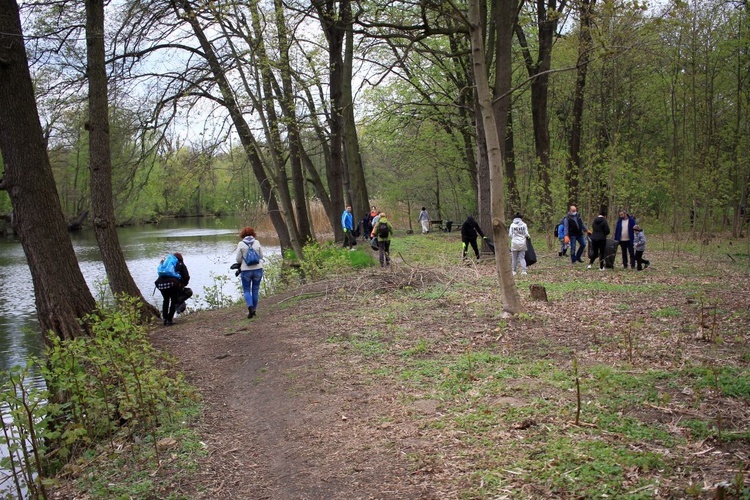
column 571, row 231
column 376, row 225
column 175, row 292
column 629, row 236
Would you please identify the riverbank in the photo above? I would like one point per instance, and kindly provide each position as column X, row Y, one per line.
column 408, row 382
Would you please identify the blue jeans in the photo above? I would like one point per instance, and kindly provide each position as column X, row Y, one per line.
column 575, row 257
column 251, row 286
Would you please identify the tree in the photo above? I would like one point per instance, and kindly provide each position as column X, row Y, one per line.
column 584, row 49
column 120, row 280
column 61, row 294
column 547, row 18
column 511, row 299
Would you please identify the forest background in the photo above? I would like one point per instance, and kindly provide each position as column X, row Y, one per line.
column 217, row 107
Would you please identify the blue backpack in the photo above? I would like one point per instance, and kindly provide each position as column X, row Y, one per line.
column 168, row 267
column 251, row 256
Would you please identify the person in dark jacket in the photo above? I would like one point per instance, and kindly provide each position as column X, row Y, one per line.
column 599, row 232
column 574, row 231
column 469, row 231
column 174, row 291
column 625, row 236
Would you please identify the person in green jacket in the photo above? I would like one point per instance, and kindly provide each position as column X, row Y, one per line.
column 383, row 231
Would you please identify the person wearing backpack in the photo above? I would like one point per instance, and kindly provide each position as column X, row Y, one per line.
column 574, row 231
column 382, row 230
column 248, row 255
column 172, row 283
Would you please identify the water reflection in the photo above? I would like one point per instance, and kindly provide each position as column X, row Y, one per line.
column 208, row 246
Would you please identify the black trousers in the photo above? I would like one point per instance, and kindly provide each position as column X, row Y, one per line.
column 384, row 252
column 626, row 247
column 598, row 248
column 640, row 261
column 171, row 301
column 473, row 244
column 349, row 240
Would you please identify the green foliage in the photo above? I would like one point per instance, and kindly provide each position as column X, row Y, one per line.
column 328, row 259
column 25, row 427
column 114, row 378
column 216, row 297
column 111, row 384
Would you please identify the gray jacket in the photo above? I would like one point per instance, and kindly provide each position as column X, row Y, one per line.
column 639, row 243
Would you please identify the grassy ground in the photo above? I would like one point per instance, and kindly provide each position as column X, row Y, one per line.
column 624, row 384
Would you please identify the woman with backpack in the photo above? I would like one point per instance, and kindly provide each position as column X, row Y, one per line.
column 172, row 283
column 382, row 230
column 249, row 253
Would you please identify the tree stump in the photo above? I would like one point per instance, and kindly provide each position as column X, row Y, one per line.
column 538, row 292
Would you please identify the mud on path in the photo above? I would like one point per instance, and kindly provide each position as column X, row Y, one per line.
column 284, row 417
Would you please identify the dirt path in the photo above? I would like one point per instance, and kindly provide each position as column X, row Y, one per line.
column 284, row 417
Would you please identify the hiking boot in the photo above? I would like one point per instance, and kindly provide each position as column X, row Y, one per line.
column 181, row 308
column 250, row 312
column 523, row 273
column 645, row 266
column 559, row 254
column 588, row 267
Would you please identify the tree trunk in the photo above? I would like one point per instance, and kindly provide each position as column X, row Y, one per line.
column 547, row 18
column 100, row 163
column 272, row 133
column 511, row 299
column 243, row 129
column 334, row 30
column 505, row 16
column 295, row 142
column 61, row 294
column 576, row 129
column 514, row 197
column 357, row 186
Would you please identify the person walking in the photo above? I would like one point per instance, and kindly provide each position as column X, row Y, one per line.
column 172, row 283
column 518, row 232
column 251, row 272
column 599, row 232
column 574, row 231
column 424, row 219
column 625, row 235
column 383, row 231
column 639, row 244
column 347, row 224
column 469, row 230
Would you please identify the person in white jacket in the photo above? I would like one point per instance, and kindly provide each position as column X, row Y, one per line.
column 251, row 268
column 518, row 232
